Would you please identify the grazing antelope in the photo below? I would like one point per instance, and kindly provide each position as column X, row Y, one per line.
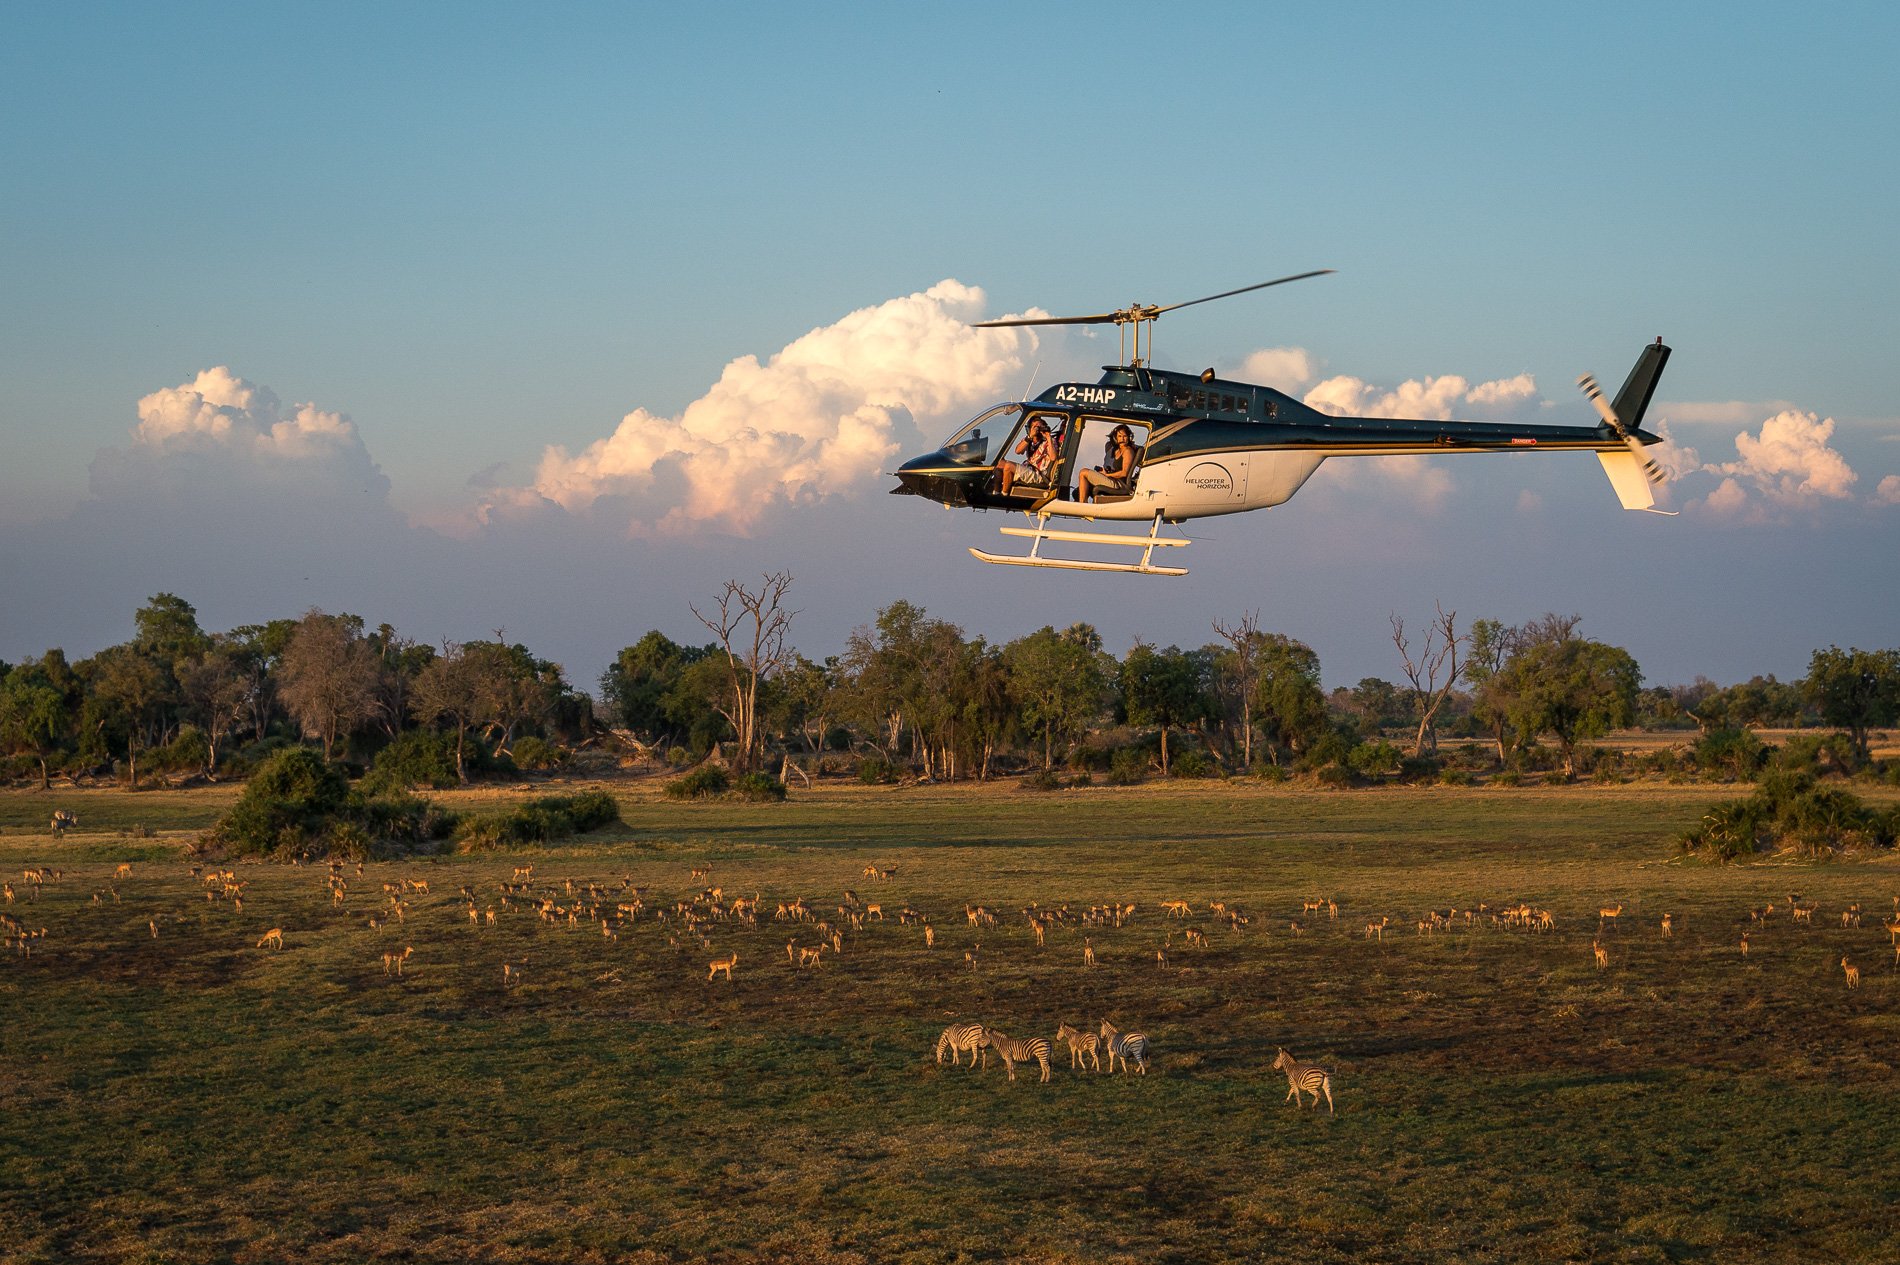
column 1606, row 914
column 510, row 973
column 969, row 956
column 9, row 892
column 1014, row 1052
column 125, row 871
column 700, row 872
column 63, row 821
column 812, row 957
column 874, row 910
column 523, row 874
column 274, row 938
column 1196, row 938
column 1802, row 913
column 791, row 952
column 153, row 924
column 1125, row 1046
column 930, row 936
column 1853, row 973
column 725, row 964
column 1376, row 930
column 1744, row 944
column 1296, row 927
column 1332, row 910
column 1309, row 1078
column 1603, row 954
column 1161, row 957
column 392, row 962
column 1177, row 908
column 1081, row 1044
column 1312, row 906
column 1669, row 924
column 959, row 1037
column 1850, row 917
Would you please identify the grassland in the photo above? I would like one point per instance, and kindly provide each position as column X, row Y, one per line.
column 192, row 1097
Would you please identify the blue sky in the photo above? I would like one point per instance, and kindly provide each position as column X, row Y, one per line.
column 475, row 232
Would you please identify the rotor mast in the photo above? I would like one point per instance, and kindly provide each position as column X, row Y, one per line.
column 1139, row 314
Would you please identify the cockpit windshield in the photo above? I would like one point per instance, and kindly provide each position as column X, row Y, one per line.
column 981, row 442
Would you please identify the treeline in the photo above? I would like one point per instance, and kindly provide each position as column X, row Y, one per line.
column 910, row 695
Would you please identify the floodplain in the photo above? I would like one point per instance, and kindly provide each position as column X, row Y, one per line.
column 173, row 1091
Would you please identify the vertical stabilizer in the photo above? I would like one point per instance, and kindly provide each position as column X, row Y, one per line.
column 1633, row 400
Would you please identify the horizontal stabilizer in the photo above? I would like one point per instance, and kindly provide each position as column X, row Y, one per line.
column 1628, row 478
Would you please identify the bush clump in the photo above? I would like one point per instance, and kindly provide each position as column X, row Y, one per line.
column 1192, row 764
column 759, row 788
column 1041, row 780
column 1127, row 766
column 875, row 770
column 540, row 820
column 1789, row 809
column 299, row 804
column 420, row 757
column 703, row 783
column 538, row 755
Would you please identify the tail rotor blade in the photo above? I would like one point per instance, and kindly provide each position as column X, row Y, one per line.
column 1651, row 471
column 1595, row 392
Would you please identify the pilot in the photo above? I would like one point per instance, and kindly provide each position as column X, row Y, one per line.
column 1117, row 474
column 1038, row 447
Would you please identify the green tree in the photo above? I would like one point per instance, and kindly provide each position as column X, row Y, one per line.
column 1288, row 699
column 1059, row 681
column 1572, row 689
column 642, row 689
column 38, row 708
column 331, row 676
column 127, row 689
column 1855, row 690
column 1165, row 688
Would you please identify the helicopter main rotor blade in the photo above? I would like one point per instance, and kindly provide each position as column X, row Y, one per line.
column 1104, row 319
column 1298, row 276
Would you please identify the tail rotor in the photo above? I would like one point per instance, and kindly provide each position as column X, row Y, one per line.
column 1651, row 471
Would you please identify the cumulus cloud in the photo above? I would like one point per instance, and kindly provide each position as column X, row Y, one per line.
column 1288, row 369
column 1888, row 493
column 1430, row 398
column 822, row 417
column 220, row 435
column 1791, row 464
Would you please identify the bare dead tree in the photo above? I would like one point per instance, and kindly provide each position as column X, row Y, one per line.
column 1245, row 638
column 751, row 628
column 1433, row 672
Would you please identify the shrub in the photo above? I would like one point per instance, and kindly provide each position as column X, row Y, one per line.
column 1192, row 764
column 190, row 750
column 1419, row 768
column 540, row 820
column 537, row 755
column 678, row 757
column 1336, row 777
column 1792, row 809
column 1510, row 777
column 759, row 788
column 1818, row 754
column 1272, row 773
column 1376, row 758
column 875, row 770
column 1454, row 777
column 702, row 783
column 1732, row 754
column 419, row 757
column 290, row 802
column 1041, row 780
column 1127, row 766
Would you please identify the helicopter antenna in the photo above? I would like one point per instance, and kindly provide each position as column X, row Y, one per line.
column 1031, row 385
column 1139, row 314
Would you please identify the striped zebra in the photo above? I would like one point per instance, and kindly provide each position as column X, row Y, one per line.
column 1125, row 1046
column 1014, row 1052
column 959, row 1037
column 1308, row 1077
column 1080, row 1044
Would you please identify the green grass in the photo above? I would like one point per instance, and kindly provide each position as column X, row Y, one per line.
column 192, row 1097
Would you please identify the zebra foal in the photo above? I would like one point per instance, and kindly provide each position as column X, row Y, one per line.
column 1305, row 1077
column 1080, row 1044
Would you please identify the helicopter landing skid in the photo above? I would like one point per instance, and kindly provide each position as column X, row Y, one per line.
column 1041, row 532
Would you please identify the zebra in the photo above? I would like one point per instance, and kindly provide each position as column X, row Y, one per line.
column 1308, row 1077
column 1125, row 1046
column 1080, row 1044
column 1014, row 1052
column 959, row 1037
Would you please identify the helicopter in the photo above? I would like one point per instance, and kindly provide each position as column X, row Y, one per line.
column 1205, row 445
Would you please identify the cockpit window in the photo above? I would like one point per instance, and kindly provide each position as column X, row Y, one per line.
column 980, row 442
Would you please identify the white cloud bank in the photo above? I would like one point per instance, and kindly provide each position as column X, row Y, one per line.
column 221, row 435
column 1789, row 465
column 822, row 417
